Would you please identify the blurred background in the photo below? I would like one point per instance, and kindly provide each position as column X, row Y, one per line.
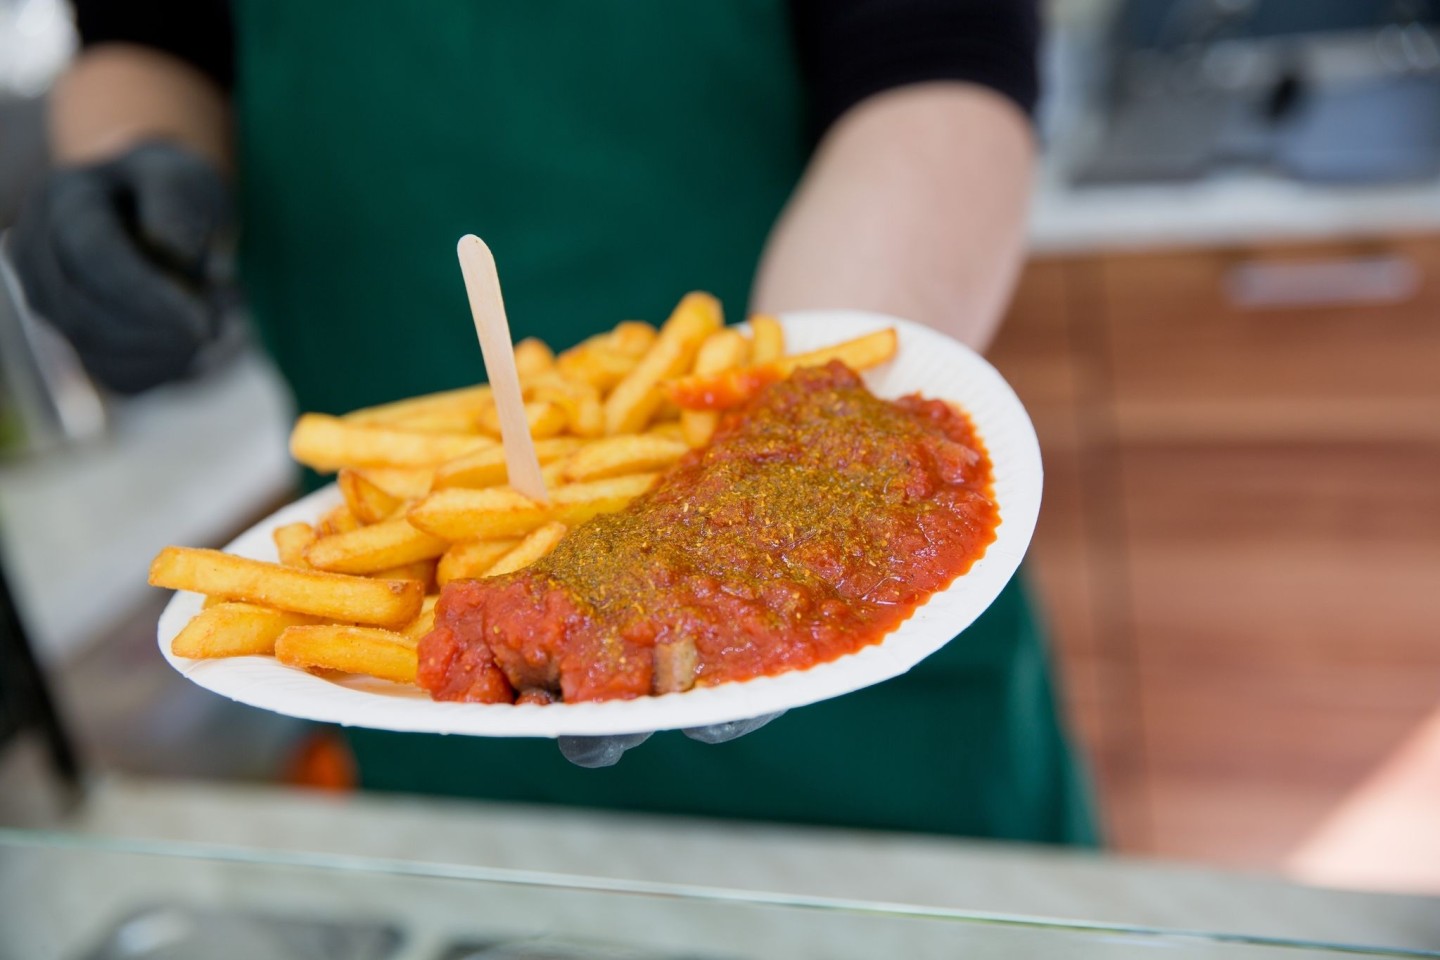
column 1228, row 335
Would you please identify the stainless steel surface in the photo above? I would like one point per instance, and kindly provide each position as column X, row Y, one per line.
column 1331, row 93
column 184, row 933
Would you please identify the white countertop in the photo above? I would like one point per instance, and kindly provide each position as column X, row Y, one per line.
column 1219, row 211
column 184, row 464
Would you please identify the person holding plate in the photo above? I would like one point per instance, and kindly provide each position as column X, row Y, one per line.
column 785, row 155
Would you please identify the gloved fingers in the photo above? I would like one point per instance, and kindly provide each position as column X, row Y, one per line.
column 33, row 256
column 125, row 358
column 181, row 203
column 596, row 752
column 130, row 373
column 97, row 254
column 721, row 732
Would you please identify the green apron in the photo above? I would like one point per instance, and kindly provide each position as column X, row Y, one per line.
column 614, row 156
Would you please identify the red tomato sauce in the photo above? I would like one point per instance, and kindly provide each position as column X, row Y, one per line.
column 815, row 522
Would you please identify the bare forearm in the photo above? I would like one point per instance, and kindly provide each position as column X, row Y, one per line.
column 913, row 205
column 116, row 95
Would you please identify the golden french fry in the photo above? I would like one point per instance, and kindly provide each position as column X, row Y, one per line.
column 535, row 545
column 422, row 570
column 587, row 419
column 390, row 543
column 446, row 403
column 733, row 387
column 462, row 514
column 581, row 402
column 769, row 339
column 617, row 456
column 599, row 366
column 291, row 541
column 533, row 356
column 457, row 421
column 327, row 443
column 230, row 629
column 404, row 483
column 486, row 468
column 423, row 623
column 366, row 650
column 573, row 504
column 861, row 353
column 722, row 350
column 636, row 398
column 553, row 474
column 212, row 602
column 668, row 429
column 333, row 596
column 369, row 502
column 545, row 419
column 338, row 520
column 632, row 338
column 469, row 559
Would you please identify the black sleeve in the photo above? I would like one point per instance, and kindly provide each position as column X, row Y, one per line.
column 199, row 32
column 851, row 49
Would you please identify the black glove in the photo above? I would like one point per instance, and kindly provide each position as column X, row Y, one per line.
column 116, row 257
column 606, row 751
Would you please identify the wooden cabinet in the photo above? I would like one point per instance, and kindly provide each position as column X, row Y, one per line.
column 1240, row 543
column 1322, row 343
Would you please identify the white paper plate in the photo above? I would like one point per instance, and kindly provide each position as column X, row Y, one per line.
column 927, row 362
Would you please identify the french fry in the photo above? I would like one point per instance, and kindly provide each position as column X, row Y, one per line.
column 617, row 456
column 230, row 629
column 575, row 503
column 636, row 398
column 331, row 596
column 722, row 350
column 553, row 474
column 462, row 514
column 291, row 541
column 363, row 650
column 327, row 443
column 668, row 429
column 581, row 402
column 390, row 543
column 533, row 356
column 535, row 545
column 587, row 419
column 369, row 502
column 631, row 338
column 445, row 403
column 769, row 339
column 597, row 365
column 423, row 623
column 457, row 421
column 469, row 559
column 545, row 419
column 405, row 483
column 422, row 570
column 486, row 468
column 337, row 520
column 734, row 387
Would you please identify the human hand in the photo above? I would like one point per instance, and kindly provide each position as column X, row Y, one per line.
column 115, row 255
column 595, row 752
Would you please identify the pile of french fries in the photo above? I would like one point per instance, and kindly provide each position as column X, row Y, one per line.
column 424, row 494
